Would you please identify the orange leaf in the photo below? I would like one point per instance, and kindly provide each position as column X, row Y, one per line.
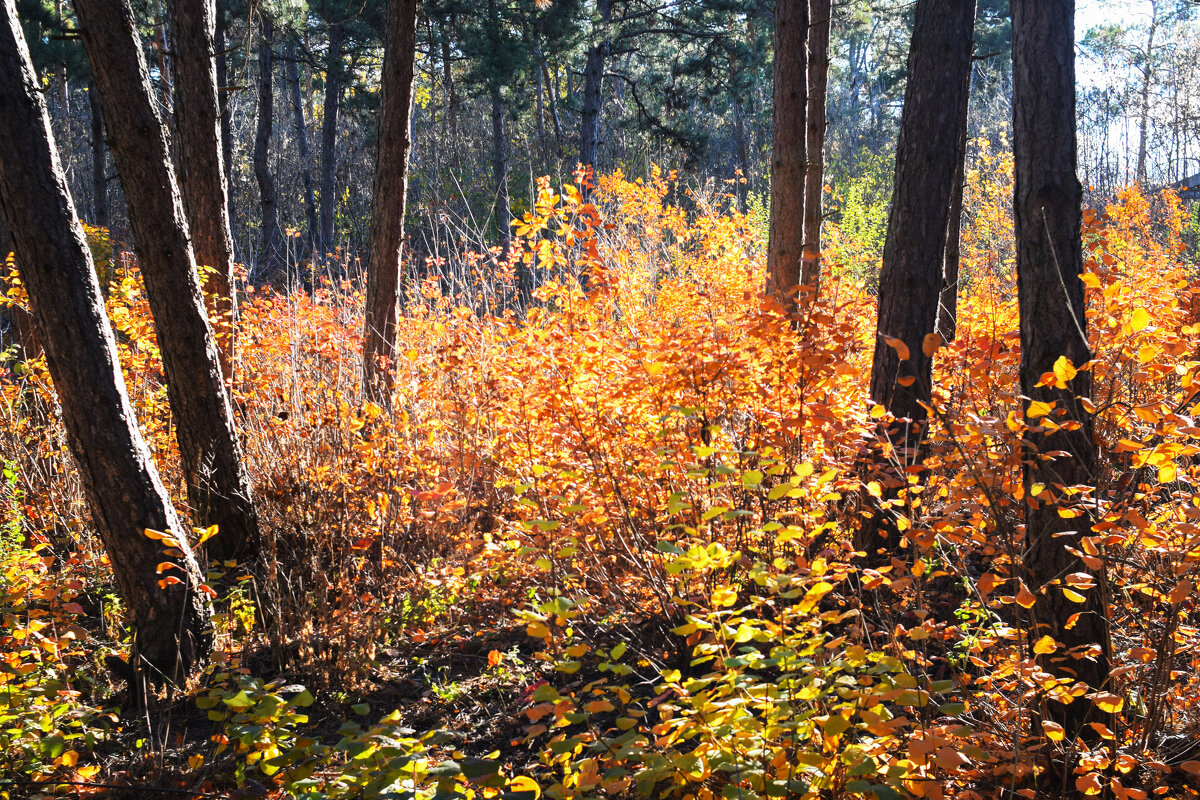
column 1025, row 598
column 1045, row 646
column 931, row 344
column 899, row 346
column 1182, row 591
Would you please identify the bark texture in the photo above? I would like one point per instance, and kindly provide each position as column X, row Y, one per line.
column 391, row 183
column 123, row 488
column 329, row 124
column 292, row 76
column 271, row 260
column 814, row 181
column 947, row 324
column 910, row 281
column 202, row 167
column 1047, row 206
column 789, row 156
column 217, row 481
column 100, row 212
column 593, row 88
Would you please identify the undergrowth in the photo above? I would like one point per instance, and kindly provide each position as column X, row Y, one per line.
column 639, row 494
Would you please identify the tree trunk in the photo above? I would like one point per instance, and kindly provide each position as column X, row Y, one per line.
column 217, row 481
column 947, row 324
column 552, row 94
column 391, row 181
column 333, row 94
column 1147, row 80
column 202, row 171
column 910, row 281
column 500, row 169
column 593, row 88
column 814, row 180
column 270, row 253
column 171, row 623
column 292, row 78
column 789, row 160
column 100, row 213
column 223, row 90
column 1047, row 213
column 451, row 98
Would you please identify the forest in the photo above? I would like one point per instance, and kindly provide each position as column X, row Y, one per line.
column 681, row 399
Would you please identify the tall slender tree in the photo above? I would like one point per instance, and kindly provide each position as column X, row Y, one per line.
column 1048, row 215
column 270, row 250
column 292, row 79
column 910, row 281
column 171, row 622
column 391, row 183
column 593, row 84
column 202, row 163
column 218, row 484
column 820, row 23
column 789, row 159
column 329, row 128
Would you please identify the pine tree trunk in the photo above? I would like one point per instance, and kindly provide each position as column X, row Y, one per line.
column 552, row 94
column 270, row 252
column 329, row 125
column 1047, row 206
column 226, row 115
column 292, row 78
column 202, row 171
column 947, row 324
column 814, row 180
column 500, row 169
column 1147, row 81
column 451, row 98
column 593, row 89
column 171, row 623
column 910, row 281
column 100, row 212
column 391, row 181
column 789, row 159
column 218, row 484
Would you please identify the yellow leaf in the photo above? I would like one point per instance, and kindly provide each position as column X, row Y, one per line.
column 1064, row 370
column 1045, row 646
column 1025, row 598
column 1038, row 409
column 1167, row 473
column 195, row 761
column 1140, row 320
column 724, row 596
column 1108, row 702
column 88, row 771
column 69, row 758
column 899, row 346
column 1054, row 731
column 1073, row 596
column 874, row 489
column 814, row 595
column 878, row 411
column 931, row 344
column 523, row 783
column 537, row 630
column 209, row 532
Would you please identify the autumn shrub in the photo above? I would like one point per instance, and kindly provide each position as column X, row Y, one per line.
column 643, row 447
